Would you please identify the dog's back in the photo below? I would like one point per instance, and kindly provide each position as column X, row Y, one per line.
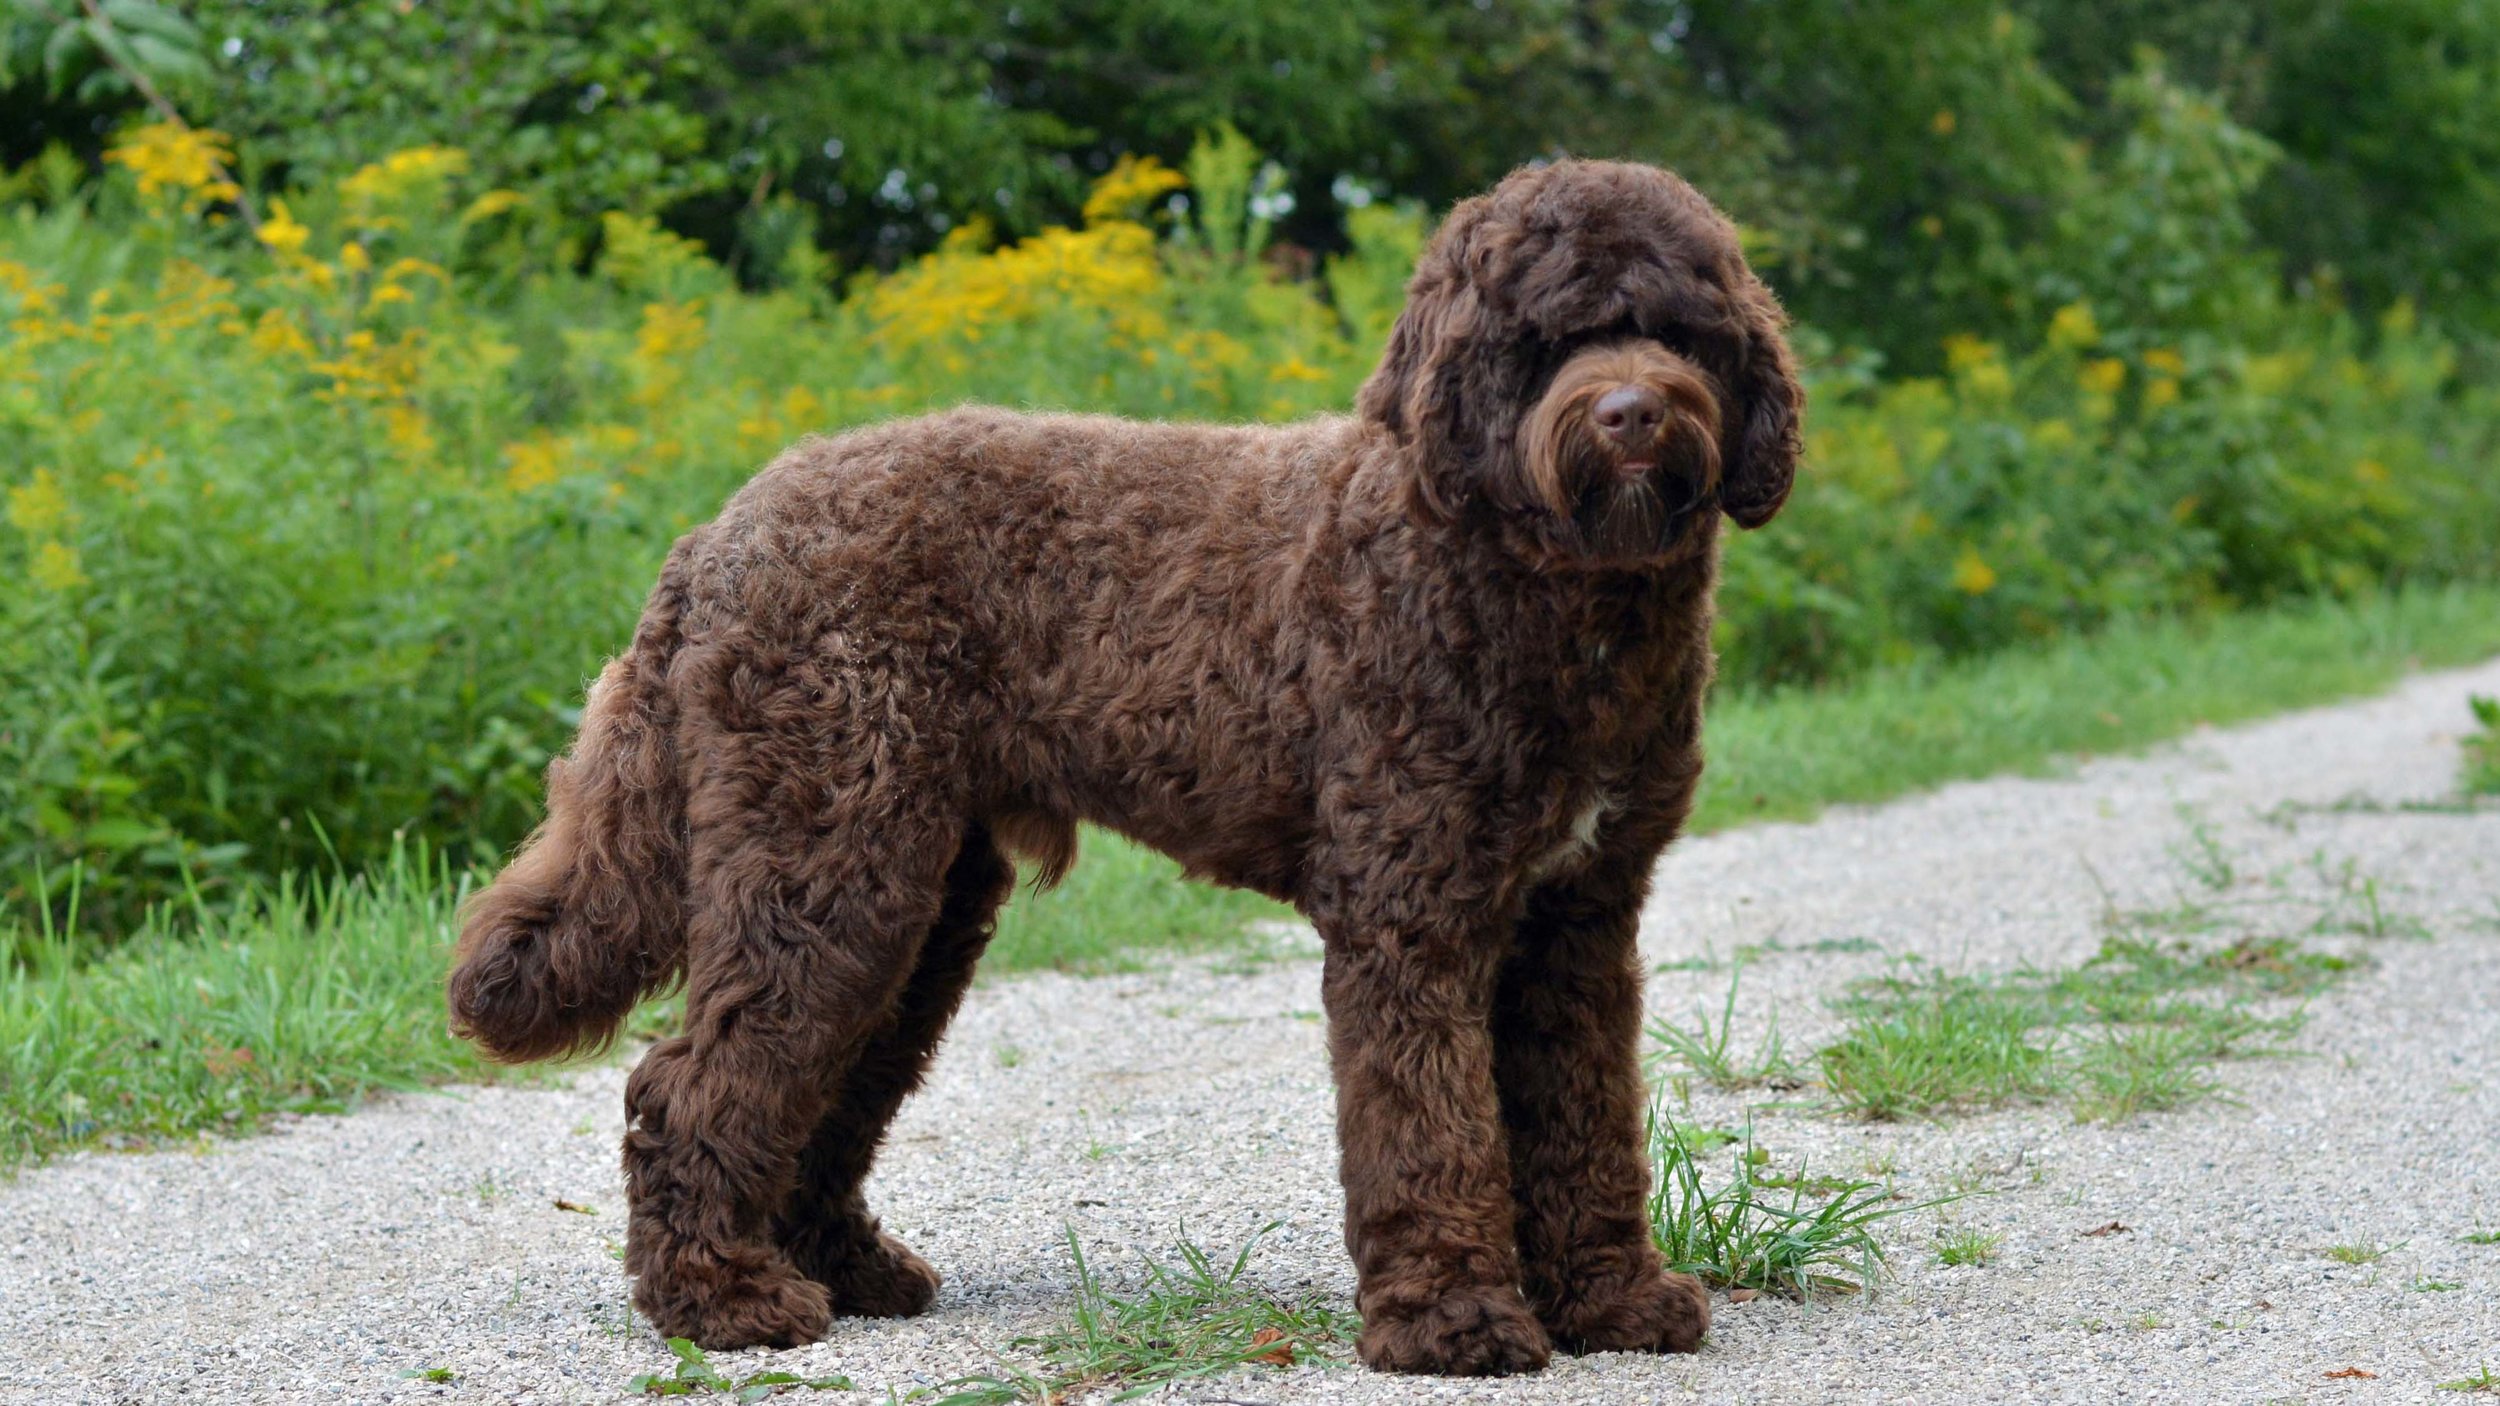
column 1110, row 618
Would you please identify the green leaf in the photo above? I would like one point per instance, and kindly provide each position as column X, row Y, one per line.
column 120, row 833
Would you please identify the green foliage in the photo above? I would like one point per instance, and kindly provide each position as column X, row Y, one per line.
column 2482, row 749
column 322, row 531
column 295, row 998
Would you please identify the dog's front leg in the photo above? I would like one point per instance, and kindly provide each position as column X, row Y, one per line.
column 1566, row 1030
column 1427, row 1182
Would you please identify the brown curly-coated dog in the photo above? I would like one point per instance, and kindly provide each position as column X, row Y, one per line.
column 1432, row 673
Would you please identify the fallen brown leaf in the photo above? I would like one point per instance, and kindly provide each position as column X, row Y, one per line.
column 2113, row 1228
column 1280, row 1355
column 1743, row 1295
column 575, row 1207
column 2352, row 1372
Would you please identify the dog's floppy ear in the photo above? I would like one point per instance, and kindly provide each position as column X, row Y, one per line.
column 1428, row 378
column 1758, row 449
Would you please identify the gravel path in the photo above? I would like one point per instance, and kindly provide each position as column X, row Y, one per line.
column 319, row 1262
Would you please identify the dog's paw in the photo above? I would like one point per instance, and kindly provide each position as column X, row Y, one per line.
column 1655, row 1312
column 884, row 1280
column 1474, row 1332
column 774, row 1306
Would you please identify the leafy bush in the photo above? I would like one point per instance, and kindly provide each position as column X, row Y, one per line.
column 319, row 526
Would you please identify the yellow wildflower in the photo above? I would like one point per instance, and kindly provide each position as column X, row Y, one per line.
column 392, row 180
column 408, row 431
column 669, row 329
column 489, row 205
column 2166, row 361
column 958, row 294
column 1977, row 367
column 2074, row 327
column 536, row 462
column 282, row 231
column 2103, row 376
column 2160, row 391
column 387, row 293
column 1943, row 123
column 38, row 506
column 171, row 156
column 55, row 567
column 1294, row 368
column 277, row 335
column 1971, row 573
column 2053, row 434
column 354, row 258
column 1132, row 184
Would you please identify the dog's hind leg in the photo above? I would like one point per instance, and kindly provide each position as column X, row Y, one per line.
column 799, row 946
column 1566, row 1032
column 826, row 1228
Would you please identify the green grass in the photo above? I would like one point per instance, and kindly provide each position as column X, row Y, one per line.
column 1745, row 1234
column 1971, row 1247
column 1184, row 1321
column 2482, row 750
column 1707, row 1051
column 303, row 997
column 1121, row 902
column 296, row 999
column 1788, row 755
column 2131, row 1030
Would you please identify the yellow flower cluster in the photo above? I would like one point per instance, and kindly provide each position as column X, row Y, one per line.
column 1126, row 190
column 960, row 293
column 374, row 190
column 168, row 156
column 1978, row 367
column 39, row 509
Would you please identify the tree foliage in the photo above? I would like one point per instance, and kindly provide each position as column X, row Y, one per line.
column 1905, row 170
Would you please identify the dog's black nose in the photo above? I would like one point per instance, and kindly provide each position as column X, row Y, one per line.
column 1630, row 414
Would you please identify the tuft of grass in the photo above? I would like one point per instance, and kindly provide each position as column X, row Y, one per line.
column 1185, row 1321
column 693, row 1373
column 2482, row 1380
column 1708, row 1051
column 2482, row 749
column 2481, row 1237
column 1938, row 1042
column 2130, row 1030
column 295, row 998
column 1742, row 1235
column 2356, row 1253
column 1971, row 1247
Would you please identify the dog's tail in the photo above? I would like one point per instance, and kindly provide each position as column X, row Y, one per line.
column 589, row 916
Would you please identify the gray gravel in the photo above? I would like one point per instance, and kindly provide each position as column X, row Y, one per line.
column 322, row 1260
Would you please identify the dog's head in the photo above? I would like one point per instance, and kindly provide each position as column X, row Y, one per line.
column 1585, row 354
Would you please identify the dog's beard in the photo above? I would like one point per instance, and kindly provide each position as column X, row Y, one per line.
column 1639, row 517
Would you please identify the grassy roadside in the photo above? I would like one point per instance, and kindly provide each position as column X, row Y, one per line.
column 304, row 998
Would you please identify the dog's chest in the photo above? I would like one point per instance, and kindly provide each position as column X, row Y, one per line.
column 1578, row 842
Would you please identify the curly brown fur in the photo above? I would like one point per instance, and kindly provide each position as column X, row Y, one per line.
column 1433, row 673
